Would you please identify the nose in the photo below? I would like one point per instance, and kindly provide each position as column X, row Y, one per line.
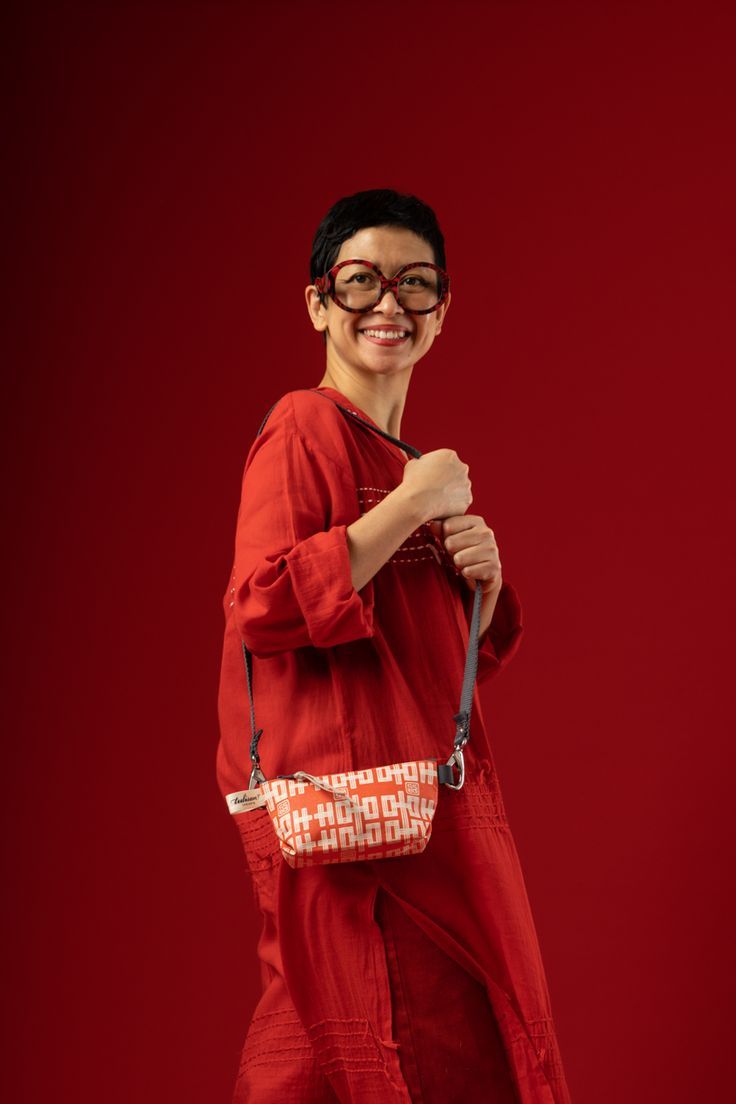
column 389, row 304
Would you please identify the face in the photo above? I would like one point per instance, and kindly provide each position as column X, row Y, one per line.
column 348, row 345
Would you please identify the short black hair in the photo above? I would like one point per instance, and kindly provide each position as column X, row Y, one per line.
column 375, row 207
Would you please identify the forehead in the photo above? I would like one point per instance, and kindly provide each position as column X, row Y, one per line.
column 389, row 247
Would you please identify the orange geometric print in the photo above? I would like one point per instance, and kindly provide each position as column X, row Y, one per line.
column 375, row 813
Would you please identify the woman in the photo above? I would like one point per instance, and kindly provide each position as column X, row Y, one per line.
column 411, row 979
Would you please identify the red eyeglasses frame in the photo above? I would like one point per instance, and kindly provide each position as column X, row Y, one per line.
column 325, row 285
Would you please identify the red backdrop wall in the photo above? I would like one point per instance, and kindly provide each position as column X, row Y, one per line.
column 170, row 164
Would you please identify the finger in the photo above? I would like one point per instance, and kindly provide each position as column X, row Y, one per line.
column 478, row 539
column 472, row 557
column 459, row 522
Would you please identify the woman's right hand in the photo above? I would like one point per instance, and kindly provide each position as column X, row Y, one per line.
column 438, row 482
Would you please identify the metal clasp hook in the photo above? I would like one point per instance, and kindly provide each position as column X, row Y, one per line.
column 259, row 776
column 457, row 759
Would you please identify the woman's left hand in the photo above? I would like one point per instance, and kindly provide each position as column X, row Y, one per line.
column 472, row 546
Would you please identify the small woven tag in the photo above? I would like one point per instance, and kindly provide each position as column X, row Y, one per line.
column 244, row 800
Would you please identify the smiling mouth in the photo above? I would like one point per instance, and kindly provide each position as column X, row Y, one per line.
column 380, row 335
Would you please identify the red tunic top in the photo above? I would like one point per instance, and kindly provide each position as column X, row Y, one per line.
column 344, row 680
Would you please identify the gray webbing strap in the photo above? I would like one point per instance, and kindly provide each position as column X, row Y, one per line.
column 462, row 717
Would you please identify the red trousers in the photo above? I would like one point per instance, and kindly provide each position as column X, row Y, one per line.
column 445, row 1052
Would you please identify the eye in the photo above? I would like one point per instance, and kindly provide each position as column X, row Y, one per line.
column 361, row 279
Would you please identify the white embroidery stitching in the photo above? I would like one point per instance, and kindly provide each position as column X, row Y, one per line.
column 428, row 549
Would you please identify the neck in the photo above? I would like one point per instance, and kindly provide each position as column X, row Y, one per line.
column 381, row 397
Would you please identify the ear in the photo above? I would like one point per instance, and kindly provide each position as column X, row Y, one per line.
column 317, row 310
column 441, row 313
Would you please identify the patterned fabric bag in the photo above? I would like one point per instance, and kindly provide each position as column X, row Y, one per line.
column 376, row 813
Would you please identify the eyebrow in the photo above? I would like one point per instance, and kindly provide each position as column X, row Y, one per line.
column 412, row 261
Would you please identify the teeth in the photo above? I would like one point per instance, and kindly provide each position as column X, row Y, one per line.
column 385, row 333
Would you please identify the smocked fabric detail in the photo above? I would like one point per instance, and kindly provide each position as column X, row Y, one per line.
column 260, row 842
column 544, row 1040
column 348, row 1045
column 275, row 1036
column 479, row 805
column 329, row 1046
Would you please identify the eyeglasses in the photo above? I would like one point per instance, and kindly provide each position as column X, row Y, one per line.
column 358, row 286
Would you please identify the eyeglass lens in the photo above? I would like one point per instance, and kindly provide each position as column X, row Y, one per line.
column 359, row 287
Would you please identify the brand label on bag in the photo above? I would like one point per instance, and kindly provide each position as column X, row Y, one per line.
column 244, row 800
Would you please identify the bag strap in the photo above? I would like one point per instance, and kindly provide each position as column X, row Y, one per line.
column 461, row 718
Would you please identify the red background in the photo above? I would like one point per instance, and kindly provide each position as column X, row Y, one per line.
column 170, row 164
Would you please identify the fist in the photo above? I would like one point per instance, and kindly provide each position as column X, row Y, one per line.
column 471, row 545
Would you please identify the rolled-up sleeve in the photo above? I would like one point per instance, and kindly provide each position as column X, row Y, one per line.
column 500, row 642
column 293, row 584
